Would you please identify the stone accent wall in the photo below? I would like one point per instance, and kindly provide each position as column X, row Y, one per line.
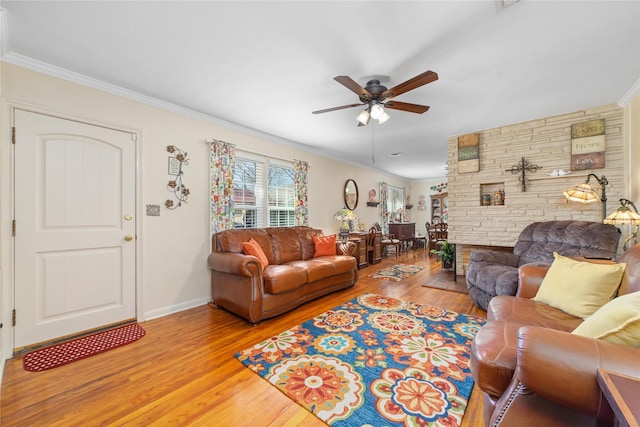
column 545, row 142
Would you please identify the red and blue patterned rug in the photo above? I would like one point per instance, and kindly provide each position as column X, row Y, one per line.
column 374, row 360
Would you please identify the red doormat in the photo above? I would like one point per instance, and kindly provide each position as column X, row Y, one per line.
column 81, row 348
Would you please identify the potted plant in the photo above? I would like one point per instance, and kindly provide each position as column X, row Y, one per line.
column 445, row 253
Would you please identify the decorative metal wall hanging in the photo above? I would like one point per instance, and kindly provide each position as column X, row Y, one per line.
column 180, row 192
column 522, row 168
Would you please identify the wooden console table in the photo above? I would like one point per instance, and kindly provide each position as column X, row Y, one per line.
column 361, row 254
column 403, row 231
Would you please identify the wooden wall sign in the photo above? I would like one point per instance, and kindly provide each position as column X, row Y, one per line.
column 468, row 153
column 587, row 145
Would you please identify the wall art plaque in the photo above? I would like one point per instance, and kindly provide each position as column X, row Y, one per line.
column 588, row 145
column 468, row 153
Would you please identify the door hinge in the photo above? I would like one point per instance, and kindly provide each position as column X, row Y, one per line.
column 13, row 135
column 13, row 228
column 134, row 137
column 13, row 317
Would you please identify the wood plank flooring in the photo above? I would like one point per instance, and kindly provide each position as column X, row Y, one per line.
column 183, row 371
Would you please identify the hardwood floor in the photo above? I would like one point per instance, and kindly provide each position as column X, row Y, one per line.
column 183, row 371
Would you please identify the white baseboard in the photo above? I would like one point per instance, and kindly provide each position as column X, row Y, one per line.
column 175, row 308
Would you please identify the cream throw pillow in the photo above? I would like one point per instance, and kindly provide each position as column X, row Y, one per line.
column 577, row 287
column 618, row 321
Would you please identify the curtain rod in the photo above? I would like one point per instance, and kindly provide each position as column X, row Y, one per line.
column 211, row 141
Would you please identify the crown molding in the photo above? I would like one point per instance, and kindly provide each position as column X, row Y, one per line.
column 71, row 76
column 630, row 95
column 64, row 74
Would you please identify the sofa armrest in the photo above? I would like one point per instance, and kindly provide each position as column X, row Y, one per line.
column 530, row 278
column 495, row 257
column 562, row 367
column 234, row 263
column 345, row 248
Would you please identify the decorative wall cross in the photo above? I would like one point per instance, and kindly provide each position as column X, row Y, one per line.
column 522, row 168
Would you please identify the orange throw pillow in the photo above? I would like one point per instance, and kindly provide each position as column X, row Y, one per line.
column 253, row 248
column 325, row 245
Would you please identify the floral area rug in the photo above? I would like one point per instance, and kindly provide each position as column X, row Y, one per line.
column 397, row 272
column 375, row 360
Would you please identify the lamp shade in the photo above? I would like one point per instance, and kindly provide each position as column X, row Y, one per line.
column 344, row 214
column 384, row 118
column 623, row 215
column 363, row 117
column 582, row 193
column 376, row 111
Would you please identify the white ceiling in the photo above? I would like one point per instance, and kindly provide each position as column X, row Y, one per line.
column 267, row 65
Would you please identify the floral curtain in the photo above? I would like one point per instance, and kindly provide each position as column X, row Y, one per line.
column 301, row 209
column 384, row 211
column 222, row 162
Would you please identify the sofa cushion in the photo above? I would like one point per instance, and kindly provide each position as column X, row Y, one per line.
column 342, row 264
column 305, row 236
column 316, row 268
column 617, row 321
column 324, row 245
column 525, row 311
column 253, row 248
column 283, row 278
column 577, row 287
column 285, row 243
column 539, row 240
column 231, row 241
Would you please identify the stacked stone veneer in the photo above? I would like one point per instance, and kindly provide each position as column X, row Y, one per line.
column 544, row 142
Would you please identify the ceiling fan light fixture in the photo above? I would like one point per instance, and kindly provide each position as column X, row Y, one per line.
column 384, row 118
column 363, row 118
column 376, row 111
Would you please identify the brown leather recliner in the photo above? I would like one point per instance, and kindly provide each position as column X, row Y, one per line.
column 293, row 276
column 533, row 372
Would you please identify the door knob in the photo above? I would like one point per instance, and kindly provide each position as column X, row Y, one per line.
column 128, row 217
column 128, row 237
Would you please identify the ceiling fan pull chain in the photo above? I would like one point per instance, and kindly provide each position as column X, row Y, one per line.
column 373, row 138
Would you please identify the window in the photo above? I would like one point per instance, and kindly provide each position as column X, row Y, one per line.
column 256, row 177
column 395, row 201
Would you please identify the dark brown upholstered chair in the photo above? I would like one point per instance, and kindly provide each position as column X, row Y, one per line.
column 492, row 273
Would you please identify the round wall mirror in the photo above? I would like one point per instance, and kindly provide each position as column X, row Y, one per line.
column 351, row 194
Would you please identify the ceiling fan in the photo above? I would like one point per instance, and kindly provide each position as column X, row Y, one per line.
column 376, row 96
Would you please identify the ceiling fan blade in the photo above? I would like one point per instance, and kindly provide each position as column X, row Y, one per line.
column 412, row 108
column 337, row 108
column 417, row 81
column 350, row 84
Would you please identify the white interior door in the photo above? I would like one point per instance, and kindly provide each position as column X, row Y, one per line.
column 75, row 227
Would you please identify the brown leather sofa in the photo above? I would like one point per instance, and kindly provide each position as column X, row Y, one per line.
column 533, row 372
column 293, row 276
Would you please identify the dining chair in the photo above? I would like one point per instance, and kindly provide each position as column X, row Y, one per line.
column 388, row 240
column 441, row 234
column 371, row 240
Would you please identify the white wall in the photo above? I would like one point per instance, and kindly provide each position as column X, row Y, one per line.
column 173, row 247
column 422, row 188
